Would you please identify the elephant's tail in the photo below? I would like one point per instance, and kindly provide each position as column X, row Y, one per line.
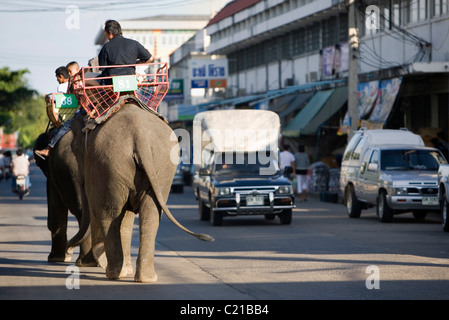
column 81, row 235
column 84, row 229
column 152, row 177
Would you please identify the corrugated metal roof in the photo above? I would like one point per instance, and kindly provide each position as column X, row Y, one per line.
column 232, row 8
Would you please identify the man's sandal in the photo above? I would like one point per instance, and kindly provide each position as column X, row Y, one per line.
column 37, row 152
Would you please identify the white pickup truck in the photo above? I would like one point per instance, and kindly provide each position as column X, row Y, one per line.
column 236, row 166
column 392, row 170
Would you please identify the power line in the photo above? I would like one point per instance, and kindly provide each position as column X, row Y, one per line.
column 50, row 6
column 369, row 55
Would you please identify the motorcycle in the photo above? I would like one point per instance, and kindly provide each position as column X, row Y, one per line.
column 7, row 172
column 21, row 187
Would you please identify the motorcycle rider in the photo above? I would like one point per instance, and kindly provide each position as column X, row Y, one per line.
column 20, row 165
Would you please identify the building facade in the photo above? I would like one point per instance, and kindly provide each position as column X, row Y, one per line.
column 288, row 54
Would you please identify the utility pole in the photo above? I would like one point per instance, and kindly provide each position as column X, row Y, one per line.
column 353, row 70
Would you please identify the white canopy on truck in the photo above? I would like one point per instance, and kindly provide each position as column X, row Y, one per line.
column 236, row 131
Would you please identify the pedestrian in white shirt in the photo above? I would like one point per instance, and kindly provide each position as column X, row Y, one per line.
column 287, row 162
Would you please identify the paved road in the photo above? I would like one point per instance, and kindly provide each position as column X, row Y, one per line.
column 322, row 255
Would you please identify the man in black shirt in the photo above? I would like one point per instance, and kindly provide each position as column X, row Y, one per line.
column 120, row 51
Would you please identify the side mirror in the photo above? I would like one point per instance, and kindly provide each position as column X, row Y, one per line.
column 204, row 172
column 373, row 167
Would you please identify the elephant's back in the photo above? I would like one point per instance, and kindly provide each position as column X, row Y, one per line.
column 131, row 130
column 134, row 118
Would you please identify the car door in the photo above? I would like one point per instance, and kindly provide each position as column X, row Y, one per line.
column 361, row 180
column 371, row 177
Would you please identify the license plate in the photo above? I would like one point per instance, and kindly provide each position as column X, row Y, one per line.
column 254, row 201
column 430, row 201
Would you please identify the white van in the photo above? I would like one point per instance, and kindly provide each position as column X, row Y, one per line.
column 390, row 169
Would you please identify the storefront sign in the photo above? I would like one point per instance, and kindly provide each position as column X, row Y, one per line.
column 208, row 73
column 176, row 90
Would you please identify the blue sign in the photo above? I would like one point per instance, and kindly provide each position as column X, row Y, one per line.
column 196, row 84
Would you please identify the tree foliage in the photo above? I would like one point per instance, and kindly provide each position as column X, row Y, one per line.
column 13, row 88
column 21, row 109
column 30, row 120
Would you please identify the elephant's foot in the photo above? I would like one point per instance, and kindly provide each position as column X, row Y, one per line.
column 100, row 255
column 128, row 269
column 87, row 260
column 112, row 274
column 58, row 258
column 146, row 277
column 115, row 274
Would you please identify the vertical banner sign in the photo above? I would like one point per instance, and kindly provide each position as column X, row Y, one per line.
column 344, row 56
column 328, row 61
column 388, row 91
column 367, row 94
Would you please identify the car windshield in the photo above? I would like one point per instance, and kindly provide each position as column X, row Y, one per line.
column 243, row 164
column 411, row 160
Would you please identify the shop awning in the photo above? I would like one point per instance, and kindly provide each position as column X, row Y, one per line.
column 255, row 99
column 322, row 106
column 282, row 102
column 295, row 104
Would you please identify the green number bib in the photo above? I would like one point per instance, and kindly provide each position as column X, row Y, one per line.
column 124, row 83
column 65, row 100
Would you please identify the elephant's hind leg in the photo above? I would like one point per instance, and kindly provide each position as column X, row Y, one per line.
column 149, row 216
column 126, row 230
column 113, row 245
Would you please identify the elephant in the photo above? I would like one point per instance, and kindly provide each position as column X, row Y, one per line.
column 126, row 166
column 63, row 195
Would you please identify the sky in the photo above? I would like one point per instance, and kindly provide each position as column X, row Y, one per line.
column 41, row 35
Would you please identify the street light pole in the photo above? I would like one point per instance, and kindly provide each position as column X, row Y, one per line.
column 353, row 70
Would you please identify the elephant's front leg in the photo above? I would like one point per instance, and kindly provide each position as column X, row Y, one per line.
column 57, row 224
column 149, row 217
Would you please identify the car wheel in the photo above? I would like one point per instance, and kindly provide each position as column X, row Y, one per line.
column 383, row 210
column 444, row 212
column 353, row 206
column 204, row 211
column 286, row 216
column 216, row 218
